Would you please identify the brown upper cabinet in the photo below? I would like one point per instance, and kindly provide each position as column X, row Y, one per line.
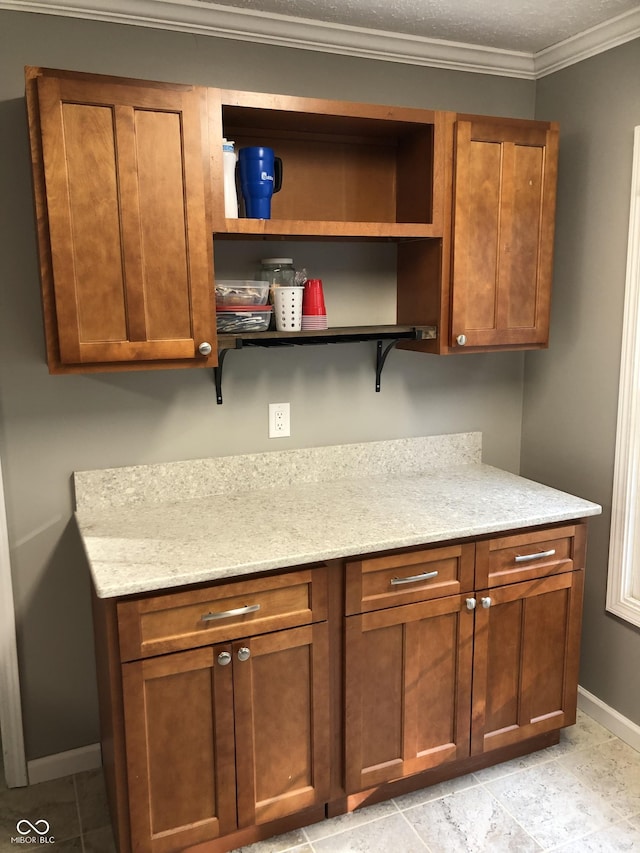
column 503, row 223
column 128, row 179
column 494, row 265
column 125, row 247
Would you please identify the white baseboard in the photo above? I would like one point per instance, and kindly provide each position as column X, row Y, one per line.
column 608, row 717
column 64, row 763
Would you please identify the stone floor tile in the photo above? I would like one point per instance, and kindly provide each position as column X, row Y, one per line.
column 619, row 838
column 349, row 821
column 391, row 834
column 552, row 805
column 612, row 770
column 291, row 842
column 435, row 792
column 92, row 800
column 508, row 768
column 53, row 802
column 71, row 845
column 586, row 734
column 98, row 841
column 470, row 821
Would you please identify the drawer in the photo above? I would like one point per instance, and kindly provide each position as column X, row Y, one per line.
column 376, row 582
column 528, row 555
column 183, row 620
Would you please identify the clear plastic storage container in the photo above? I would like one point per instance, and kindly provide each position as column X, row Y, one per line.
column 239, row 319
column 230, row 292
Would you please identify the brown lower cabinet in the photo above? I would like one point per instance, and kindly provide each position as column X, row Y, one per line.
column 248, row 718
column 234, row 711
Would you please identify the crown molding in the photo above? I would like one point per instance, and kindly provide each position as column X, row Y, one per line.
column 612, row 33
column 286, row 31
column 212, row 19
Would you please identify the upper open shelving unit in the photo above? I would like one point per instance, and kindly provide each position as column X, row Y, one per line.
column 353, row 173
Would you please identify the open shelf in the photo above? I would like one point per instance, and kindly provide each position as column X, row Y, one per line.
column 345, row 334
column 364, row 171
column 313, row 228
column 342, row 334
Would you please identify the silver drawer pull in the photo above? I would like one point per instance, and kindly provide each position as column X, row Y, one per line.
column 523, row 558
column 225, row 614
column 414, row 578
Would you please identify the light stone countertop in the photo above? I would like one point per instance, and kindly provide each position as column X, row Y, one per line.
column 148, row 546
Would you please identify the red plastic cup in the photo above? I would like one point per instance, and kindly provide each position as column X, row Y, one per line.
column 313, row 298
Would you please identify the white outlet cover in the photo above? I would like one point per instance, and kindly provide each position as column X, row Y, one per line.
column 279, row 420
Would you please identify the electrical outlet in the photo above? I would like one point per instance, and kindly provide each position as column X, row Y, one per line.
column 279, row 420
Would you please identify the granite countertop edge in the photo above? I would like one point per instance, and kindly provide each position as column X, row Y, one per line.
column 157, row 547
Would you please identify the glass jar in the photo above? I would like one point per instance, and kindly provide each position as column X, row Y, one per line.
column 279, row 272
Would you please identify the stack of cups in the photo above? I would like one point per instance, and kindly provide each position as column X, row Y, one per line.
column 314, row 313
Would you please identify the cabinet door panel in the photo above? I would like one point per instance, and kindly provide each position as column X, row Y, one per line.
column 129, row 241
column 522, row 236
column 504, row 212
column 281, row 698
column 526, row 659
column 179, row 741
column 408, row 676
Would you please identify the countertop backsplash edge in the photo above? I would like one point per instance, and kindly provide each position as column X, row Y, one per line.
column 202, row 478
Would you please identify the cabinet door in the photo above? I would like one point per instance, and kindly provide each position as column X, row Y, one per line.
column 408, row 690
column 131, row 263
column 179, row 744
column 526, row 659
column 281, row 700
column 504, row 213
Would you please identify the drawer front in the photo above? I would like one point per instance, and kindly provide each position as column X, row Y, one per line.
column 408, row 577
column 183, row 620
column 529, row 555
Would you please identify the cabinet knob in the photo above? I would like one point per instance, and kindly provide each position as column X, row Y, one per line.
column 204, row 348
column 224, row 658
column 461, row 340
column 244, row 653
column 486, row 602
column 471, row 604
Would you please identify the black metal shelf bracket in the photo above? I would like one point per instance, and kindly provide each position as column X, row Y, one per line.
column 381, row 357
column 217, row 374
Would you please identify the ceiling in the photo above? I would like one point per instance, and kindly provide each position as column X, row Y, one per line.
column 521, row 38
column 528, row 25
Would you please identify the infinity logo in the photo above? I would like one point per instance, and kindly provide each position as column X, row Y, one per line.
column 40, row 826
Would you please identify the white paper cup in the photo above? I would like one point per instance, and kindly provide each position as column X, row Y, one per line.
column 287, row 308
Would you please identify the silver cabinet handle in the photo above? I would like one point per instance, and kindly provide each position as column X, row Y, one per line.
column 413, row 579
column 523, row 558
column 486, row 602
column 225, row 614
column 204, row 348
column 224, row 658
column 244, row 653
column 471, row 604
column 461, row 340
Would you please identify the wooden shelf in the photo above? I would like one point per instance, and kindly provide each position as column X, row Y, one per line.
column 324, row 229
column 342, row 334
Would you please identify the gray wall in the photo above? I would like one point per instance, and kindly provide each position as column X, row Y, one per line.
column 53, row 425
column 571, row 390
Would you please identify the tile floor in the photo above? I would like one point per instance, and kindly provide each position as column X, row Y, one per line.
column 580, row 796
